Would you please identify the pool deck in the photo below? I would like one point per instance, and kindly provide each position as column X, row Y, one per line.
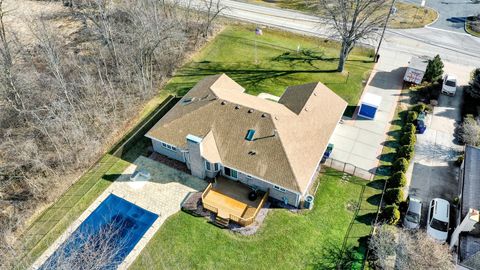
column 161, row 195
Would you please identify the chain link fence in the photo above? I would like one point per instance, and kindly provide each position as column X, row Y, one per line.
column 349, row 168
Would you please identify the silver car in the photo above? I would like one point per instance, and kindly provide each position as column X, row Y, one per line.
column 414, row 214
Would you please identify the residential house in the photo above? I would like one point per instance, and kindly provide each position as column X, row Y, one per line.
column 466, row 236
column 242, row 140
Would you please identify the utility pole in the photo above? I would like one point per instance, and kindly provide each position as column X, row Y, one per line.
column 383, row 31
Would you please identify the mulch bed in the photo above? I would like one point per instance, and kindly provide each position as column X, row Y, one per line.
column 170, row 162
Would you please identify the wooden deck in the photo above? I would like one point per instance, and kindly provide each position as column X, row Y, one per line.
column 229, row 200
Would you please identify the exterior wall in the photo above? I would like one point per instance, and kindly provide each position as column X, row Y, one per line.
column 264, row 186
column 177, row 154
column 197, row 163
column 210, row 174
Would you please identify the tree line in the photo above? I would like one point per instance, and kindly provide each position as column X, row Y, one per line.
column 63, row 100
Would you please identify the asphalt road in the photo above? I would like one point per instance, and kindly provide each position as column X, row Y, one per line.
column 452, row 46
column 452, row 13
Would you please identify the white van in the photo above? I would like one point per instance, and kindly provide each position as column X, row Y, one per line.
column 438, row 219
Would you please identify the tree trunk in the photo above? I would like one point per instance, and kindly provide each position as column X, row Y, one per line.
column 344, row 52
column 342, row 58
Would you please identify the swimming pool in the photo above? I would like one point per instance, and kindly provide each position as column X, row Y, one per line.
column 104, row 238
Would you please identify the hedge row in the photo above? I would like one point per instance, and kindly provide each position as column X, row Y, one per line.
column 394, row 192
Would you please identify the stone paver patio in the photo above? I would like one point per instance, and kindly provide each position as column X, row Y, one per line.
column 161, row 195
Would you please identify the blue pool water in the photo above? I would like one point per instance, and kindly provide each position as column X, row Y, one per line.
column 104, row 238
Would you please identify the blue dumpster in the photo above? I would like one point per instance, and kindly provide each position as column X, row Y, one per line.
column 369, row 106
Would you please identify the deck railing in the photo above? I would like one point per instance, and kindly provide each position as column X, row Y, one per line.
column 206, row 205
column 247, row 221
column 240, row 220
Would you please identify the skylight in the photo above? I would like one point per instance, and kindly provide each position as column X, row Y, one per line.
column 250, row 134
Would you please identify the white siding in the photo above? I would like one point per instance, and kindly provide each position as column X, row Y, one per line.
column 264, row 186
column 177, row 154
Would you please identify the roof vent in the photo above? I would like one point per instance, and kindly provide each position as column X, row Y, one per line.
column 306, row 109
column 223, row 103
column 252, row 153
column 250, row 111
column 264, row 115
column 250, row 134
column 237, row 107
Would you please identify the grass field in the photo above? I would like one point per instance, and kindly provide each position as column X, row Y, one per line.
column 472, row 26
column 408, row 15
column 286, row 240
column 278, row 63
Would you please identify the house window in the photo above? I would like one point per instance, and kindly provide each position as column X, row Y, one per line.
column 230, row 172
column 208, row 166
column 216, row 167
column 279, row 188
column 169, row 147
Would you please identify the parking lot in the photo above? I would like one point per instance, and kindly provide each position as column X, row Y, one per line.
column 433, row 170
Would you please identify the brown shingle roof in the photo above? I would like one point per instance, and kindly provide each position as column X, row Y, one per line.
column 290, row 136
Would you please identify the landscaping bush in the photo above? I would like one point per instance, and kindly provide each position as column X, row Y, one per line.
column 410, row 128
column 474, row 86
column 393, row 195
column 408, row 138
column 406, row 151
column 391, row 215
column 470, row 131
column 400, row 165
column 412, row 116
column 420, row 107
column 397, row 180
column 434, row 69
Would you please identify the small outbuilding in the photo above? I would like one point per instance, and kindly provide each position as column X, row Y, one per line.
column 369, row 105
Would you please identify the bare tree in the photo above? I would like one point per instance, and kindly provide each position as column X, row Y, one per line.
column 65, row 98
column 213, row 8
column 352, row 21
column 403, row 249
column 470, row 131
column 91, row 249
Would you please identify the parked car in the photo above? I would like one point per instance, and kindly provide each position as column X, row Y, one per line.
column 438, row 219
column 413, row 214
column 449, row 86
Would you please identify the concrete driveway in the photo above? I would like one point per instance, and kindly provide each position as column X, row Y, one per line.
column 433, row 172
column 359, row 141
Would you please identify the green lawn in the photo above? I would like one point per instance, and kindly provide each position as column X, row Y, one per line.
column 311, row 239
column 278, row 64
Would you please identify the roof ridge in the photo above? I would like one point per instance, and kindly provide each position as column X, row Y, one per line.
column 295, row 174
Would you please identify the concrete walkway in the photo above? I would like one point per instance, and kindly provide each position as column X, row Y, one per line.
column 161, row 195
column 360, row 141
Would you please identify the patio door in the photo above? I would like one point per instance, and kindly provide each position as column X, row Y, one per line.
column 230, row 172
